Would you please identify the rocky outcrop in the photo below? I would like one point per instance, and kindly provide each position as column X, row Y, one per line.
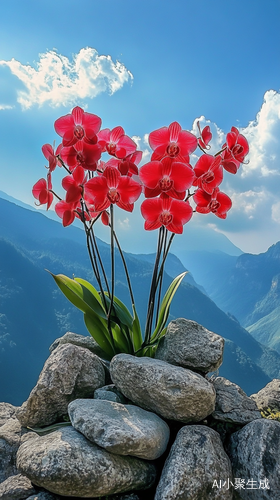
column 69, row 373
column 232, row 404
column 196, row 460
column 120, row 429
column 269, row 396
column 254, row 454
column 172, row 392
column 188, row 344
column 66, row 463
column 119, row 446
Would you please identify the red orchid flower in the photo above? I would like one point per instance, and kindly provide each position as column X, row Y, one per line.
column 172, row 141
column 166, row 176
column 208, row 172
column 82, row 154
column 42, row 191
column 51, row 156
column 218, row 203
column 166, row 211
column 127, row 165
column 237, row 148
column 116, row 143
column 112, row 187
column 78, row 126
column 205, row 136
column 74, row 185
column 66, row 211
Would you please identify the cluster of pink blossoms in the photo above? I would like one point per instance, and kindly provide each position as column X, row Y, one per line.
column 92, row 184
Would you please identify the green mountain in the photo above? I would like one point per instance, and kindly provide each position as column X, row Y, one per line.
column 33, row 312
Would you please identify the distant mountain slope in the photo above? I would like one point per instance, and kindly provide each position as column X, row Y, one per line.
column 33, row 312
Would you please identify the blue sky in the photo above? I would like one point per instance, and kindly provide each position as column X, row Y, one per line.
column 143, row 65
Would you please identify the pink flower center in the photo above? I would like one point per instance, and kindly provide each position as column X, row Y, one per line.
column 237, row 150
column 172, row 150
column 214, row 205
column 79, row 132
column 80, row 158
column 111, row 148
column 165, row 183
column 113, row 195
column 208, row 177
column 165, row 218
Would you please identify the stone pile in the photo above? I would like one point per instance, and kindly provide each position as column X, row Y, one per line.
column 145, row 429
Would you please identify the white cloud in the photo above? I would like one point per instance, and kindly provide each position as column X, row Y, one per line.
column 58, row 81
column 263, row 136
column 5, row 106
column 275, row 212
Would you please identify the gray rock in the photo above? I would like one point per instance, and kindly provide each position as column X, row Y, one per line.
column 254, row 454
column 10, row 435
column 6, row 411
column 120, row 429
column 70, row 372
column 172, row 392
column 269, row 396
column 110, row 393
column 64, row 462
column 44, row 495
column 78, row 340
column 232, row 404
column 195, row 461
column 192, row 346
column 16, row 488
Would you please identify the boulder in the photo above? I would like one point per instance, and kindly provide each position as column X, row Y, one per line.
column 172, row 392
column 196, row 460
column 255, row 458
column 44, row 495
column 232, row 403
column 6, row 411
column 269, row 396
column 70, row 372
column 120, row 429
column 78, row 340
column 10, row 436
column 16, row 488
column 64, row 462
column 190, row 345
column 110, row 393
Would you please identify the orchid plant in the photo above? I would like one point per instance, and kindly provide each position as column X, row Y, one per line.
column 173, row 191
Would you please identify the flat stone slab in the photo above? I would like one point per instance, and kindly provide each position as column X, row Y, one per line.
column 189, row 344
column 120, row 429
column 70, row 372
column 233, row 404
column 195, row 461
column 64, row 462
column 172, row 392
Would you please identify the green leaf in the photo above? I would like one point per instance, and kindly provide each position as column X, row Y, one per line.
column 165, row 305
column 136, row 331
column 120, row 311
column 91, row 288
column 79, row 295
column 99, row 332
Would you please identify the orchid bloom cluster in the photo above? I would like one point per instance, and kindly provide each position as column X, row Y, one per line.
column 94, row 185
